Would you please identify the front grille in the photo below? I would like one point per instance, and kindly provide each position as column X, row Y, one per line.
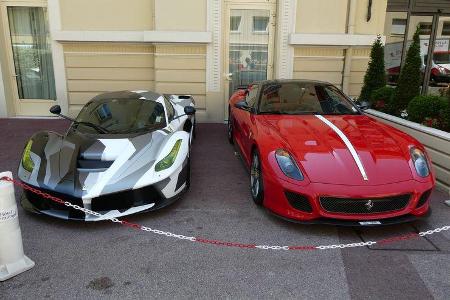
column 298, row 201
column 122, row 201
column 423, row 199
column 364, row 205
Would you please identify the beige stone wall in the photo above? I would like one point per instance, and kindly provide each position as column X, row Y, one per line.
column 181, row 69
column 319, row 63
column 180, row 15
column 93, row 68
column 376, row 23
column 324, row 16
column 107, row 14
column 359, row 62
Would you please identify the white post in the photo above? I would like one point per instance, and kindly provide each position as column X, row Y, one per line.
column 12, row 259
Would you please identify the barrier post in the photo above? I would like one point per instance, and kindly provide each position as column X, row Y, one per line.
column 12, row 259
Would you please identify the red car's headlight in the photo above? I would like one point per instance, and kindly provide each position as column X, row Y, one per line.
column 288, row 165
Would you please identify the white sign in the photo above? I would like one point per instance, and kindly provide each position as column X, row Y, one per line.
column 8, row 214
column 439, row 46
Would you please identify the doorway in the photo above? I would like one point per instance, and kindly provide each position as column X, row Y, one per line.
column 249, row 45
column 30, row 61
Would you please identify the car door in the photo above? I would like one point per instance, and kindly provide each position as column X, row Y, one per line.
column 246, row 121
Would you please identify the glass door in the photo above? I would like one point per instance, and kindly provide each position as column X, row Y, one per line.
column 31, row 62
column 250, row 41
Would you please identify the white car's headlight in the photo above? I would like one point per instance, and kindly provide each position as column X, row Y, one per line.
column 420, row 162
column 168, row 161
column 288, row 165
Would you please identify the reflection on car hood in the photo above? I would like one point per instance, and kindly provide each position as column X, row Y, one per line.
column 325, row 157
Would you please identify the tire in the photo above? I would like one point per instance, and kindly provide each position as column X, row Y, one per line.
column 230, row 127
column 188, row 177
column 256, row 179
column 194, row 131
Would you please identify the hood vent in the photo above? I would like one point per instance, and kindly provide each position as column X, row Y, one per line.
column 91, row 165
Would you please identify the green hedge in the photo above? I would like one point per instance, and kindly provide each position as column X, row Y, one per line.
column 433, row 111
column 381, row 99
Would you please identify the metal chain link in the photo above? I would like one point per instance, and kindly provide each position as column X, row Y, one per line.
column 220, row 243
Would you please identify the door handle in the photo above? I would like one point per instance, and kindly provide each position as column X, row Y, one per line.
column 229, row 76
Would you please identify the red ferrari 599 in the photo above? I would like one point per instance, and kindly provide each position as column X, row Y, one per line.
column 316, row 157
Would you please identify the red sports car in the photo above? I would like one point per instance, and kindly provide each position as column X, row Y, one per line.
column 316, row 157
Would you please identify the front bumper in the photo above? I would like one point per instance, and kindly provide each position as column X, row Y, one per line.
column 276, row 201
column 112, row 206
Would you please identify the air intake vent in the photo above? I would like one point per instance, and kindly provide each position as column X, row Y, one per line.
column 298, row 201
column 423, row 199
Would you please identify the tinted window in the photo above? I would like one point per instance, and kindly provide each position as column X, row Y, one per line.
column 304, row 98
column 252, row 97
column 170, row 109
column 122, row 115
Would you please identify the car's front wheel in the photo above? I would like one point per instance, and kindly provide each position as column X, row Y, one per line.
column 256, row 179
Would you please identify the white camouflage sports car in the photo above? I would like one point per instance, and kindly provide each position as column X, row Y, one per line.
column 126, row 152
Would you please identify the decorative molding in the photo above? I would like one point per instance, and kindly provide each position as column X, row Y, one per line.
column 335, row 39
column 318, row 51
column 180, row 49
column 286, row 25
column 54, row 19
column 213, row 51
column 133, row 36
column 109, row 48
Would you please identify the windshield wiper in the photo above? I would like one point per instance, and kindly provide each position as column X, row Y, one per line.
column 92, row 125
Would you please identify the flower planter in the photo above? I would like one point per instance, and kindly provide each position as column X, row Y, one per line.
column 437, row 143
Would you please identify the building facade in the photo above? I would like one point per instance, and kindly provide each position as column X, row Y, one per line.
column 65, row 52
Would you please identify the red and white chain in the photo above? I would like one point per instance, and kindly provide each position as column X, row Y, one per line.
column 408, row 236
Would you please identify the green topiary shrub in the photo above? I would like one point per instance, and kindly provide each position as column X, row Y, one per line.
column 445, row 116
column 410, row 78
column 429, row 108
column 381, row 99
column 375, row 77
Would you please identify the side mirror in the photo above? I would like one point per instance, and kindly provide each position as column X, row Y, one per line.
column 242, row 105
column 55, row 109
column 189, row 110
column 363, row 105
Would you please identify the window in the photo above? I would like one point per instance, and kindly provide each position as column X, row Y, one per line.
column 170, row 109
column 304, row 98
column 122, row 116
column 446, row 28
column 235, row 23
column 260, row 23
column 252, row 97
column 425, row 28
column 398, row 26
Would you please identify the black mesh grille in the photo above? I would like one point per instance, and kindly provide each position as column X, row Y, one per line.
column 298, row 201
column 423, row 199
column 364, row 205
column 126, row 199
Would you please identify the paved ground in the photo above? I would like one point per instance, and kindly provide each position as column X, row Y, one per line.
column 103, row 260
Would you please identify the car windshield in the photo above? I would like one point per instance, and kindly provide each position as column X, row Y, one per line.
column 304, row 98
column 121, row 116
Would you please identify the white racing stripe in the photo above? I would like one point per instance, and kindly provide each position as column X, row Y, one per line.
column 348, row 144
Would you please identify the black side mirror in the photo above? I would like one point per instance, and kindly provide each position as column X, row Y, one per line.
column 55, row 109
column 363, row 105
column 242, row 105
column 189, row 110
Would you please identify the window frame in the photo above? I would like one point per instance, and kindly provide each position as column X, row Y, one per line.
column 239, row 25
column 168, row 104
column 267, row 25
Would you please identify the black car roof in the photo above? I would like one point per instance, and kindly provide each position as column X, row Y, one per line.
column 148, row 95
